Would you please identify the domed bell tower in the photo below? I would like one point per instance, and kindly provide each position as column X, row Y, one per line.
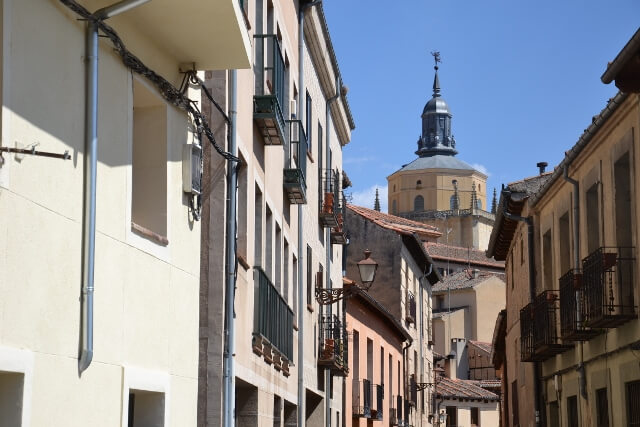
column 436, row 123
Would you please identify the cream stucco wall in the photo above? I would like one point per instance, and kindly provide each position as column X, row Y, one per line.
column 146, row 294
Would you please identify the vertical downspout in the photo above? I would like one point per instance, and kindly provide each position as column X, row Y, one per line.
column 228, row 392
column 327, row 239
column 405, row 389
column 89, row 208
column 90, row 167
column 576, row 265
column 532, row 295
column 421, row 330
column 301, row 296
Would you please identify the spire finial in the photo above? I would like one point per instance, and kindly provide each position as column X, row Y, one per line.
column 494, row 202
column 376, row 204
column 436, row 80
column 474, row 196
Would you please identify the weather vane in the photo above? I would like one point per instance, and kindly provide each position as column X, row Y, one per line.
column 436, row 57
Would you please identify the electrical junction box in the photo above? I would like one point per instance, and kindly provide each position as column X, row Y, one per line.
column 192, row 168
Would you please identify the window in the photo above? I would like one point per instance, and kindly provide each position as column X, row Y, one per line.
column 278, row 267
column 452, row 416
column 146, row 408
column 356, row 354
column 522, row 251
column 418, row 204
column 382, row 367
column 515, row 420
column 309, row 111
column 11, row 392
column 623, row 206
column 257, row 248
column 309, row 275
column 453, row 202
column 564, row 239
column 572, row 411
column 547, row 259
column 268, row 263
column 475, row 417
column 394, row 207
column 633, row 403
column 593, row 224
column 390, row 376
column 418, row 183
column 478, row 204
column 370, row 359
column 602, row 407
column 242, row 208
column 554, row 414
column 149, row 165
column 294, row 282
column 285, row 271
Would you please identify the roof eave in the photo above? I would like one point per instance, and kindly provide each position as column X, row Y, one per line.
column 627, row 53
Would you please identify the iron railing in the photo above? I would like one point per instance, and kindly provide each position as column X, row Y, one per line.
column 539, row 328
column 269, row 97
column 411, row 307
column 273, row 318
column 361, row 398
column 329, row 198
column 295, row 165
column 609, row 280
column 333, row 345
column 572, row 308
column 378, row 411
column 338, row 235
column 413, row 390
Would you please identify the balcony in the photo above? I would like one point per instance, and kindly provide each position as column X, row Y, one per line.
column 210, row 34
column 411, row 308
column 361, row 398
column 572, row 309
column 273, row 323
column 268, row 100
column 338, row 235
column 333, row 348
column 608, row 281
column 329, row 202
column 413, row 390
column 539, row 328
column 395, row 411
column 377, row 412
column 295, row 167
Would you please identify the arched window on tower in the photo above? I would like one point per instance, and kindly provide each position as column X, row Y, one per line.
column 452, row 202
column 418, row 204
column 478, row 204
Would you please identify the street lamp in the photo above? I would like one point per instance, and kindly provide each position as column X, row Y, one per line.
column 442, row 418
column 367, row 269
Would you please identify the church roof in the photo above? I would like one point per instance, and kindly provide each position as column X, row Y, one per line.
column 438, row 161
column 396, row 223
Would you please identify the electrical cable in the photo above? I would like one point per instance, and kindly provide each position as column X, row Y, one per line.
column 168, row 91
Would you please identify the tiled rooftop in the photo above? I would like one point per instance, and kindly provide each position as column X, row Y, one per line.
column 449, row 388
column 529, row 185
column 396, row 223
column 462, row 255
column 484, row 346
column 463, row 280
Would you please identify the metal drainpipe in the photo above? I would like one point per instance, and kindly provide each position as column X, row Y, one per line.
column 230, row 292
column 404, row 378
column 532, row 295
column 90, row 166
column 576, row 265
column 327, row 372
column 301, row 295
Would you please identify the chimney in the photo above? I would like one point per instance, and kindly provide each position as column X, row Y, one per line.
column 542, row 166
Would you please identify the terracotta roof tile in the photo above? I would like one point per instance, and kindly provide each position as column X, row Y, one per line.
column 484, row 346
column 463, row 280
column 396, row 223
column 449, row 388
column 462, row 255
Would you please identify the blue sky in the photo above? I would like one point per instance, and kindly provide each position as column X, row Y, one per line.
column 522, row 78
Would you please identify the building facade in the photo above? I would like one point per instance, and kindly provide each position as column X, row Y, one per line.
column 403, row 287
column 439, row 189
column 90, row 97
column 374, row 386
column 293, row 120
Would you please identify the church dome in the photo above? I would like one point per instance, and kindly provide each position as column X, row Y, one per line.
column 436, row 105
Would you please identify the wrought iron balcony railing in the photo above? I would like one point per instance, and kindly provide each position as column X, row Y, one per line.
column 333, row 348
column 572, row 308
column 413, row 390
column 361, row 398
column 377, row 411
column 269, row 97
column 329, row 195
column 539, row 326
column 411, row 307
column 608, row 279
column 338, row 234
column 295, row 167
column 273, row 320
column 395, row 411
